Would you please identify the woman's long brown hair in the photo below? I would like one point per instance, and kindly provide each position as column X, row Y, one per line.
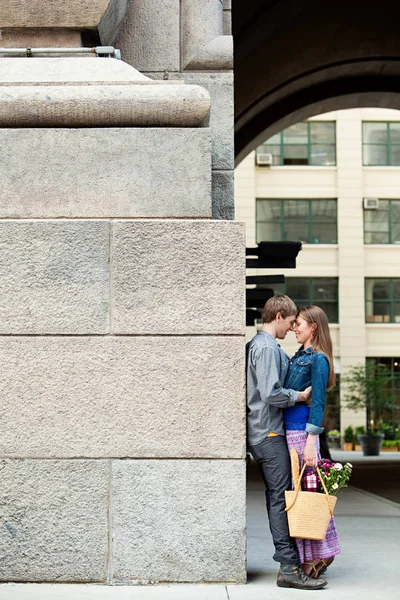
column 321, row 340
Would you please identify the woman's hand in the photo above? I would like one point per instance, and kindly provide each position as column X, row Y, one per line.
column 310, row 451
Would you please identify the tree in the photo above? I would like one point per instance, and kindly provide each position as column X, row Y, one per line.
column 369, row 387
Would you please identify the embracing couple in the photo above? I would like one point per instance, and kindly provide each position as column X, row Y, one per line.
column 280, row 416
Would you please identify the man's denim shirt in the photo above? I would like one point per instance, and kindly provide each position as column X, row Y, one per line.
column 267, row 365
column 307, row 368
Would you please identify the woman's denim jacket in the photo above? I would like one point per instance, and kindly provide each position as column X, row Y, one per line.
column 307, row 368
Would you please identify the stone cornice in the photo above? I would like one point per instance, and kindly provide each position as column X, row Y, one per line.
column 94, row 92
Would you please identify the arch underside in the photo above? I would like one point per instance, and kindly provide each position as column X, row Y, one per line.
column 295, row 60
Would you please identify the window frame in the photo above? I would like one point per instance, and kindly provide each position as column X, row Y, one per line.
column 309, row 221
column 389, row 144
column 390, row 223
column 282, row 144
column 391, row 299
column 312, row 299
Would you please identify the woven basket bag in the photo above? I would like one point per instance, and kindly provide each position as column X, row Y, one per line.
column 308, row 513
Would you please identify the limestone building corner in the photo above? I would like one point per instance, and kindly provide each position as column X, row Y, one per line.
column 122, row 458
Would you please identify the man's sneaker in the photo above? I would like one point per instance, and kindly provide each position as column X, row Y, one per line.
column 291, row 576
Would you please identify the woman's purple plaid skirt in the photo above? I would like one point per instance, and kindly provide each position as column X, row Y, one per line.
column 310, row 550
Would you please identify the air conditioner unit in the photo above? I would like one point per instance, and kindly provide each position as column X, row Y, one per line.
column 371, row 203
column 264, row 159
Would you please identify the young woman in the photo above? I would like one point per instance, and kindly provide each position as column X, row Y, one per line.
column 311, row 365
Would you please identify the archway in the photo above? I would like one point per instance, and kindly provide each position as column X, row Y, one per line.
column 294, row 60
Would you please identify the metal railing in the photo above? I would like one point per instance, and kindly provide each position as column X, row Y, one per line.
column 101, row 51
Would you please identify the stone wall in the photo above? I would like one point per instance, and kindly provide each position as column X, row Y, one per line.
column 122, row 330
column 195, row 46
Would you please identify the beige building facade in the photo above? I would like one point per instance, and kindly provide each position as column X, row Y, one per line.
column 333, row 183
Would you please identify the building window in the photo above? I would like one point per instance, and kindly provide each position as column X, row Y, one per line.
column 382, row 300
column 307, row 143
column 381, row 143
column 382, row 225
column 387, row 419
column 308, row 221
column 322, row 291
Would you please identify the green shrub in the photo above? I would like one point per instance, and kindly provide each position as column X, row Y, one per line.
column 390, row 444
column 348, row 435
column 334, row 433
column 387, row 429
column 360, row 430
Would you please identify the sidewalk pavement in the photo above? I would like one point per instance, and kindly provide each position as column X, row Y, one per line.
column 369, row 531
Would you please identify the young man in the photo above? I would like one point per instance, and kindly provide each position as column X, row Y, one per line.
column 267, row 365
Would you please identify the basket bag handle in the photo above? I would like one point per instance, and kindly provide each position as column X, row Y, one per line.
column 298, row 489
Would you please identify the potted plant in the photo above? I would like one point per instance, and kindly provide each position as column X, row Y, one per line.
column 390, row 443
column 334, row 439
column 360, row 430
column 348, row 438
column 368, row 387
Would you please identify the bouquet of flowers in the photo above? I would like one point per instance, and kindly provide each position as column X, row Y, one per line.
column 334, row 475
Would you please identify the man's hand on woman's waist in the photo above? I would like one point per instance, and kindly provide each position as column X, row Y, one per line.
column 303, row 396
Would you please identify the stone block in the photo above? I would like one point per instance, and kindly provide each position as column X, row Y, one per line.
column 149, row 38
column 223, row 200
column 178, row 277
column 220, row 87
column 54, row 520
column 66, row 397
column 73, row 14
column 54, row 277
column 180, row 521
column 101, row 173
column 40, row 38
column 202, row 29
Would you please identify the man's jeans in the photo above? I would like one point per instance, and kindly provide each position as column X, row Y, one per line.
column 273, row 460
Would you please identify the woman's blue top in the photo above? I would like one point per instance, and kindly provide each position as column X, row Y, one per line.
column 307, row 368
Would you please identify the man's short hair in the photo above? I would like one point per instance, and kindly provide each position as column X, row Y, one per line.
column 281, row 304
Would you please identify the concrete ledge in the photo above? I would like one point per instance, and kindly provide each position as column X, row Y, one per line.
column 179, row 521
column 99, row 172
column 54, row 521
column 178, row 277
column 68, row 71
column 66, row 397
column 110, row 105
column 90, row 92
